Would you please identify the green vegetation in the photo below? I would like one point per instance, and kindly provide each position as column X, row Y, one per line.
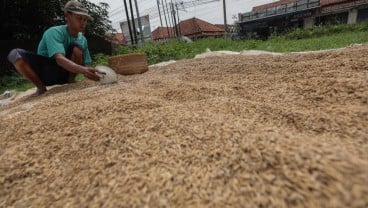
column 99, row 59
column 338, row 40
column 16, row 24
column 15, row 21
column 326, row 30
column 329, row 37
column 9, row 82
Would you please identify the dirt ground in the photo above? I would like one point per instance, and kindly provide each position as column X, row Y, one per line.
column 223, row 131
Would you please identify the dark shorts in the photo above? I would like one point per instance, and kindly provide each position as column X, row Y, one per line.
column 49, row 72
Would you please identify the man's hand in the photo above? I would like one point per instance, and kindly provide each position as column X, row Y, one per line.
column 75, row 68
column 90, row 73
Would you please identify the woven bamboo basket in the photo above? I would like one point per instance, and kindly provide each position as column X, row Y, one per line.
column 135, row 63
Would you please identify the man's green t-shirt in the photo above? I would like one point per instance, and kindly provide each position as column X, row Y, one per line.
column 57, row 40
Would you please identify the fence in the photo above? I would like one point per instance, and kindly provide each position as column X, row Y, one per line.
column 285, row 8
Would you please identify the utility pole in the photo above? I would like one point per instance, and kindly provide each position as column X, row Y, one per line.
column 139, row 21
column 225, row 22
column 177, row 10
column 168, row 16
column 159, row 12
column 167, row 28
column 174, row 18
column 133, row 23
column 128, row 20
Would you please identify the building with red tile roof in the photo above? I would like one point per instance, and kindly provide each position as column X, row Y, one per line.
column 116, row 38
column 221, row 26
column 163, row 33
column 120, row 37
column 193, row 28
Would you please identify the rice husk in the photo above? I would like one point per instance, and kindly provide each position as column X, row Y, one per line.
column 229, row 131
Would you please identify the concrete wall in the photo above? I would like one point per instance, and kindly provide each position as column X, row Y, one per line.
column 309, row 22
column 353, row 15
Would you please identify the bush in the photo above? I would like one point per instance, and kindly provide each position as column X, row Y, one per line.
column 15, row 81
column 159, row 52
column 299, row 33
column 99, row 59
column 123, row 50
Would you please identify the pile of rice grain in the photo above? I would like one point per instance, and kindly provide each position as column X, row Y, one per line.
column 231, row 131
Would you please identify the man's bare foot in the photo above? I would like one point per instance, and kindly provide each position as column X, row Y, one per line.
column 39, row 92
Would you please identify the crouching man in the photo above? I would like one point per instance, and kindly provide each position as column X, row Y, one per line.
column 62, row 52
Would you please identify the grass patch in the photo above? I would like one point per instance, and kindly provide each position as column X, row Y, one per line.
column 329, row 37
column 337, row 40
column 19, row 83
column 9, row 82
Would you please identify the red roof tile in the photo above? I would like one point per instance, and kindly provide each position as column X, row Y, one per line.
column 222, row 27
column 338, row 4
column 120, row 37
column 162, row 33
column 195, row 26
column 328, row 2
column 117, row 38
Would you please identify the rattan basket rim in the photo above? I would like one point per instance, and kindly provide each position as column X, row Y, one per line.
column 127, row 55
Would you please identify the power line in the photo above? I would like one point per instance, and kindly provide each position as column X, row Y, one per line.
column 153, row 12
column 159, row 12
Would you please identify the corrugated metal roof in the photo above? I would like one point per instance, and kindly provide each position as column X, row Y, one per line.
column 273, row 4
column 327, row 2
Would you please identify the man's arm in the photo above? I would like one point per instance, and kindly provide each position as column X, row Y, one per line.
column 69, row 65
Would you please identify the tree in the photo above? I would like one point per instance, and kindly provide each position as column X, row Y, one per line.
column 101, row 24
column 28, row 19
column 23, row 22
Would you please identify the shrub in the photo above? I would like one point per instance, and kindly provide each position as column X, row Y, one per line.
column 99, row 59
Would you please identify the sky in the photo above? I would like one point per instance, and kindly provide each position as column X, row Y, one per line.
column 210, row 12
